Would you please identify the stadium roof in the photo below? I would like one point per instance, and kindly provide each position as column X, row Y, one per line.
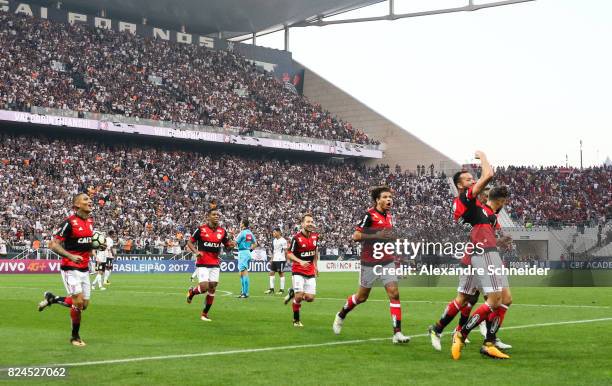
column 233, row 17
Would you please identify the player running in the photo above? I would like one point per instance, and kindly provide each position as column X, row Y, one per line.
column 304, row 254
column 279, row 259
column 376, row 226
column 208, row 239
column 494, row 284
column 245, row 241
column 72, row 241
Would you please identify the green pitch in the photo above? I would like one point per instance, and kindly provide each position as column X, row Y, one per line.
column 253, row 341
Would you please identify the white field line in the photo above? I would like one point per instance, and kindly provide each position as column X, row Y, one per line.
column 228, row 293
column 277, row 348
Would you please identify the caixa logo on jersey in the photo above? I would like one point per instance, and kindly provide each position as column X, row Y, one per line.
column 211, row 244
column 84, row 240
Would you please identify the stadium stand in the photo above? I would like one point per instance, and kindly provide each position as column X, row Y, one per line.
column 146, row 192
column 50, row 64
column 558, row 196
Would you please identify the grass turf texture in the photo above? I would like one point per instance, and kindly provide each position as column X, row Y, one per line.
column 146, row 315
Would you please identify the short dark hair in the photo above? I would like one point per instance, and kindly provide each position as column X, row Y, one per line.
column 457, row 176
column 277, row 229
column 245, row 222
column 76, row 197
column 111, row 232
column 377, row 191
column 499, row 192
column 210, row 210
column 306, row 215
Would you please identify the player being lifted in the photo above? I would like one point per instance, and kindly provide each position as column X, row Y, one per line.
column 303, row 252
column 72, row 241
column 209, row 239
column 463, row 212
column 376, row 226
column 245, row 241
column 483, row 219
column 279, row 248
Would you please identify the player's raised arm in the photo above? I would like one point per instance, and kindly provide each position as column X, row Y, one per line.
column 365, row 232
column 486, row 176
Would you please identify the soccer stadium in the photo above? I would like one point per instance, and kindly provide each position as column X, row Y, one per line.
column 182, row 203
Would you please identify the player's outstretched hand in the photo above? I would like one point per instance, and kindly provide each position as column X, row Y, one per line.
column 479, row 154
column 76, row 258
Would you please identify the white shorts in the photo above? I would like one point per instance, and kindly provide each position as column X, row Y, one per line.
column 208, row 274
column 304, row 284
column 77, row 282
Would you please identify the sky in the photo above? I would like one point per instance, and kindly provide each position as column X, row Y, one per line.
column 524, row 83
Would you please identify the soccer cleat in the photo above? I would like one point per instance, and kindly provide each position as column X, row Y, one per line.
column 398, row 337
column 269, row 292
column 491, row 351
column 106, row 282
column 337, row 325
column 189, row 295
column 289, row 295
column 102, row 288
column 280, row 292
column 466, row 341
column 483, row 329
column 78, row 342
column 458, row 344
column 46, row 302
column 501, row 345
column 297, row 323
column 435, row 339
column 242, row 296
column 205, row 318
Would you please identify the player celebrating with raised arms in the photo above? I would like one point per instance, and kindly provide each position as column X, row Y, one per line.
column 376, row 226
column 245, row 241
column 304, row 253
column 73, row 242
column 209, row 239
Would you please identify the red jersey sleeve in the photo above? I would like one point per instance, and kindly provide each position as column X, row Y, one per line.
column 195, row 236
column 226, row 240
column 366, row 222
column 63, row 231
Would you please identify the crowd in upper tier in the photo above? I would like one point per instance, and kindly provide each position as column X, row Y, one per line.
column 76, row 67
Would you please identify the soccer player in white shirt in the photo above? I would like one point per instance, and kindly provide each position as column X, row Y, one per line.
column 110, row 257
column 278, row 261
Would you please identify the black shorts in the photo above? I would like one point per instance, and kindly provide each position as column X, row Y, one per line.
column 277, row 266
column 101, row 266
column 109, row 264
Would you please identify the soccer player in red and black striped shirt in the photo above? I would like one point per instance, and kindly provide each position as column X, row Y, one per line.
column 304, row 253
column 206, row 243
column 72, row 241
column 376, row 226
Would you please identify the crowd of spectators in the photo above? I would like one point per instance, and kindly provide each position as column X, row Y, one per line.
column 79, row 68
column 152, row 196
column 557, row 195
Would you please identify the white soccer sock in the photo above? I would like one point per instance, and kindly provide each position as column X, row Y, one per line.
column 194, row 274
column 106, row 275
column 97, row 280
column 282, row 283
column 272, row 282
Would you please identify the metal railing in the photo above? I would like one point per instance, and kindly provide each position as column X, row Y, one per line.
column 189, row 126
